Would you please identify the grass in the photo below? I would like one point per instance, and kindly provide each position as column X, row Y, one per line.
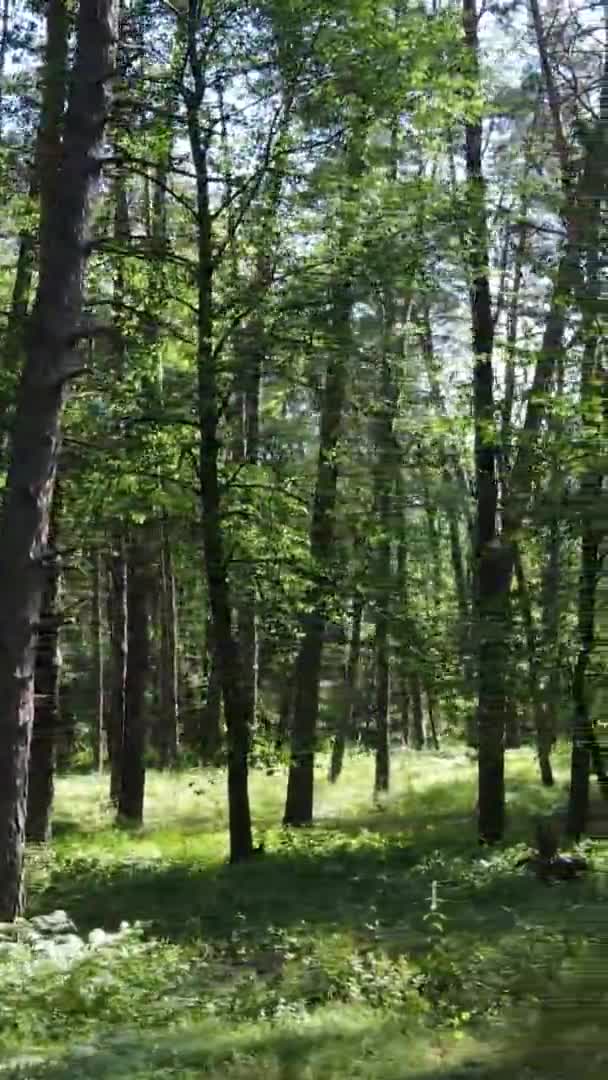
column 324, row 959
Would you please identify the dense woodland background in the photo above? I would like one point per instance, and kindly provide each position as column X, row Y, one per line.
column 303, row 416
column 327, row 284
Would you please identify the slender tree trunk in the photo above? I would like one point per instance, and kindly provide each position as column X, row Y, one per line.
column 211, row 716
column 226, row 644
column 351, row 676
column 117, row 621
column 382, row 771
column 489, row 600
column 98, row 663
column 544, row 735
column 404, row 707
column 168, row 733
column 133, row 772
column 51, row 360
column 41, row 780
column 300, row 783
column 416, row 736
column 578, row 803
column 432, row 714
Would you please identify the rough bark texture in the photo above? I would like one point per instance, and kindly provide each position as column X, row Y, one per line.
column 133, row 772
column 52, row 335
column 300, row 783
column 41, row 778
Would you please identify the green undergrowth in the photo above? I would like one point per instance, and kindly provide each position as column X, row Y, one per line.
column 382, row 943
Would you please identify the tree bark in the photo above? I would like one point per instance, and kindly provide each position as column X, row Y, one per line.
column 41, row 778
column 544, row 735
column 53, row 332
column 133, row 773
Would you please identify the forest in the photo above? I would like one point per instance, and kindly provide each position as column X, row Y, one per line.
column 303, row 415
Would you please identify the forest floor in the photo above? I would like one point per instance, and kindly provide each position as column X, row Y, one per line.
column 322, row 959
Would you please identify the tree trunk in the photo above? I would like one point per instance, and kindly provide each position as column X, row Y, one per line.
column 168, row 729
column 133, row 772
column 226, row 645
column 432, row 714
column 350, row 689
column 578, row 803
column 416, row 734
column 382, row 771
column 300, row 783
column 489, row 601
column 53, row 332
column 98, row 663
column 41, row 780
column 117, row 621
column 210, row 743
column 544, row 735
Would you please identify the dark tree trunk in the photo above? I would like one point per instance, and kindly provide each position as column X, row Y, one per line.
column 382, row 770
column 404, row 706
column 300, row 783
column 252, row 348
column 211, row 715
column 578, row 803
column 226, row 644
column 544, row 735
column 432, row 714
column 594, row 391
column 416, row 734
column 489, row 600
column 66, row 176
column 133, row 772
column 41, row 781
column 98, row 663
column 168, row 726
column 350, row 689
column 117, row 621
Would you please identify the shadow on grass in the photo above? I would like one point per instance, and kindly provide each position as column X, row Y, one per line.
column 376, row 869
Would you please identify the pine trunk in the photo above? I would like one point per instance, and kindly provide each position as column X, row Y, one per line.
column 133, row 772
column 66, row 177
column 41, row 779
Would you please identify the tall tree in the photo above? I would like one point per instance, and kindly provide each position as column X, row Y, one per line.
column 52, row 359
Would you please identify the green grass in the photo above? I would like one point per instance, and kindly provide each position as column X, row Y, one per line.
column 323, row 959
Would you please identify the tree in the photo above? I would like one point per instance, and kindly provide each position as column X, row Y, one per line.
column 54, row 332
